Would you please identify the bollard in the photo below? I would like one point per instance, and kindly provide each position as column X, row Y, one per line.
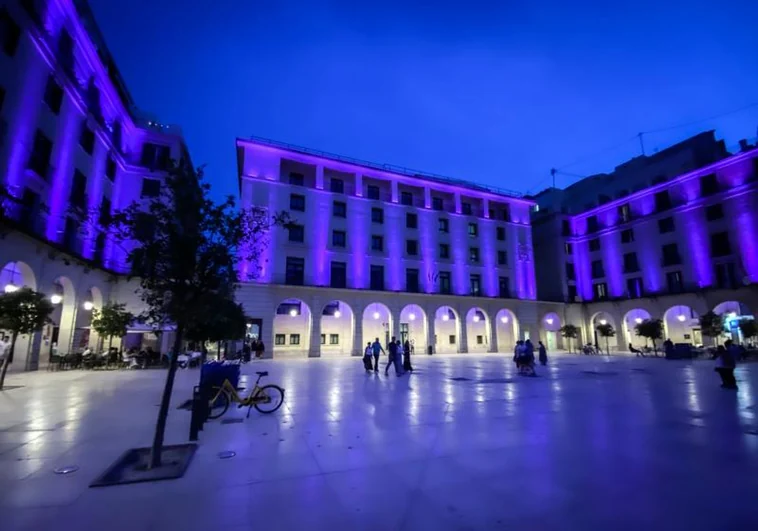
column 197, row 418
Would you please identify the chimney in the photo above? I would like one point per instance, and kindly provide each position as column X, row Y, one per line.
column 744, row 146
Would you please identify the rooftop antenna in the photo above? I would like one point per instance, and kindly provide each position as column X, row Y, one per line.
column 552, row 173
column 642, row 144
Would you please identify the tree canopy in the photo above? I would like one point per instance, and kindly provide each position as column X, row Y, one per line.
column 112, row 320
column 712, row 325
column 651, row 329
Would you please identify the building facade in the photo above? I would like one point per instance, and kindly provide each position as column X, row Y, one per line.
column 71, row 139
column 376, row 251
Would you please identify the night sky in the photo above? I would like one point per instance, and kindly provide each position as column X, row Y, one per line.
column 497, row 93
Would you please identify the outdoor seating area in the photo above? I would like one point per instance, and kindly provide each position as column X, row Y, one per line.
column 110, row 359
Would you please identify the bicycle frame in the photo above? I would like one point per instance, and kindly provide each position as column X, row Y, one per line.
column 254, row 396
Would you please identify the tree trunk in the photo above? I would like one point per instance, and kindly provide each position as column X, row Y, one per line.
column 110, row 343
column 607, row 346
column 160, row 427
column 218, row 351
column 8, row 359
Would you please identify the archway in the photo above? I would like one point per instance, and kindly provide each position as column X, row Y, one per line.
column 292, row 329
column 477, row 330
column 604, row 343
column 16, row 275
column 552, row 326
column 337, row 329
column 681, row 325
column 733, row 313
column 506, row 330
column 447, row 328
column 413, row 327
column 377, row 323
column 630, row 321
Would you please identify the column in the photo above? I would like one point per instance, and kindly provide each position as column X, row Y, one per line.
column 359, row 342
column 493, row 335
column 316, row 308
column 486, row 207
column 430, row 332
column 458, row 207
column 359, row 185
column 319, row 177
column 395, row 194
column 463, row 333
column 427, row 197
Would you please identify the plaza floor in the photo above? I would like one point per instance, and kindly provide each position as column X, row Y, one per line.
column 464, row 443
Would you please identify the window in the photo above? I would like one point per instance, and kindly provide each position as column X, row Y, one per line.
column 406, row 198
column 625, row 214
column 87, row 139
column 372, row 191
column 714, row 212
column 709, row 184
column 377, row 277
column 473, row 254
column 600, row 289
column 502, row 258
column 445, row 282
column 671, row 254
column 594, row 244
column 634, row 287
column 565, row 228
column 627, row 236
column 78, row 189
column 39, row 160
column 475, row 282
column 105, row 211
column 296, row 233
column 337, row 186
column 53, row 95
column 323, row 339
column 630, row 263
column 598, row 271
column 506, row 213
column 568, row 248
column 296, row 179
column 110, row 169
column 297, row 202
column 10, row 33
column 571, row 296
column 725, row 276
column 444, row 225
column 377, row 215
column 155, row 157
column 662, row 201
column 466, row 208
column 411, row 220
column 444, row 250
column 437, row 203
column 500, row 233
column 570, row 271
column 479, row 340
column 504, row 288
column 411, row 247
column 339, row 209
column 294, row 339
column 411, row 280
column 674, row 281
column 720, row 245
column 150, row 187
column 295, row 272
column 338, row 278
column 473, row 230
column 334, row 339
column 99, row 248
column 377, row 243
column 592, row 224
column 279, row 339
column 66, row 51
column 70, row 233
column 451, row 339
column 339, row 238
column 666, row 225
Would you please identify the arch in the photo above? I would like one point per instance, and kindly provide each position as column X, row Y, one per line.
column 603, row 318
column 478, row 330
column 733, row 312
column 414, row 327
column 292, row 329
column 377, row 323
column 337, row 329
column 681, row 325
column 447, row 328
column 551, row 323
column 631, row 319
column 506, row 330
column 15, row 275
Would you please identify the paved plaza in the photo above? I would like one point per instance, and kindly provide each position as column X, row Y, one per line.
column 465, row 443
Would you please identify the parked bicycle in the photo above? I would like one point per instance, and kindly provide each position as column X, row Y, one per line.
column 266, row 399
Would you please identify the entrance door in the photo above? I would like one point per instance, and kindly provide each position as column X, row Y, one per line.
column 552, row 341
column 403, row 332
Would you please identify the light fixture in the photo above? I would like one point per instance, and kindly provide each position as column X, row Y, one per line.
column 412, row 316
column 681, row 317
column 56, row 299
column 504, row 319
column 549, row 320
column 10, row 288
column 476, row 318
column 376, row 315
column 88, row 305
column 638, row 320
column 445, row 317
column 337, row 314
column 249, row 325
column 293, row 312
column 603, row 322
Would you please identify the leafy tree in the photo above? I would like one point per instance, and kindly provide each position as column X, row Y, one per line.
column 606, row 330
column 650, row 329
column 183, row 248
column 23, row 311
column 749, row 328
column 225, row 321
column 111, row 321
column 712, row 325
column 570, row 332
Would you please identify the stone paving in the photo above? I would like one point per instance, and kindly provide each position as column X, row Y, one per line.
column 591, row 443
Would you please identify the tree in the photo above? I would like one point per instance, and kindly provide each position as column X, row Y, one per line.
column 749, row 328
column 111, row 321
column 225, row 321
column 570, row 332
column 23, row 311
column 183, row 248
column 606, row 330
column 650, row 329
column 712, row 325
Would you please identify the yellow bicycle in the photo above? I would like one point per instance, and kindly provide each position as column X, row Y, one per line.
column 266, row 399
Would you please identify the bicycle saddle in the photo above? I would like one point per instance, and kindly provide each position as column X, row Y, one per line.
column 261, row 373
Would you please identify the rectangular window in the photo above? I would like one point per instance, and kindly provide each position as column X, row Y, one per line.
column 502, row 258
column 70, row 235
column 473, row 254
column 475, row 283
column 294, row 339
column 337, row 186
column 720, row 245
column 377, row 215
column 666, row 225
column 295, row 272
column 625, row 213
column 671, row 254
column 444, row 250
column 568, row 248
column 444, row 225
column 377, row 243
column 10, row 33
column 377, row 277
column 411, row 280
column 600, row 289
column 504, row 288
column 466, row 208
column 411, row 247
column 480, row 340
column 709, row 185
column 155, row 157
column 323, row 339
column 572, row 294
column 53, row 95
column 150, row 187
column 627, row 236
column 339, row 209
column 444, row 279
column 334, row 339
column 296, row 233
column 372, row 191
column 39, row 159
column 662, row 201
column 634, row 287
column 630, row 263
column 110, row 169
column 597, row 269
column 714, row 212
column 506, row 212
column 406, row 198
column 592, row 225
column 296, row 179
column 473, row 230
column 437, row 203
column 280, row 339
column 339, row 238
column 297, row 202
column 338, row 277
column 725, row 276
column 105, row 212
column 78, row 189
column 451, row 339
column 500, row 232
column 565, row 228
column 570, row 271
column 66, row 51
column 674, row 282
column 87, row 139
column 411, row 220
column 594, row 244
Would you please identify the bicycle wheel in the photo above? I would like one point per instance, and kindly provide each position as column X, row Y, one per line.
column 218, row 405
column 274, row 398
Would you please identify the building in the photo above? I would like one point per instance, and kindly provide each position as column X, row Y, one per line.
column 70, row 138
column 378, row 251
column 671, row 236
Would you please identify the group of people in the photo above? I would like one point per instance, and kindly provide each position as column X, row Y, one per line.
column 398, row 355
column 255, row 346
column 523, row 356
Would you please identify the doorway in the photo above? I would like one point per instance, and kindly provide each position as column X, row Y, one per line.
column 552, row 340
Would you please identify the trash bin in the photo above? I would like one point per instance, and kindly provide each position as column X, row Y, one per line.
column 430, row 350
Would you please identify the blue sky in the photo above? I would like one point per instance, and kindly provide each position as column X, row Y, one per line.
column 492, row 92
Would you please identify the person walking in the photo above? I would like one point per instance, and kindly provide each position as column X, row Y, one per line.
column 377, row 349
column 543, row 353
column 392, row 357
column 367, row 357
column 726, row 364
column 407, row 357
column 260, row 348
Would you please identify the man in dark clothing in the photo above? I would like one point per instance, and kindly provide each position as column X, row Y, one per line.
column 376, row 347
column 392, row 354
column 407, row 356
column 727, row 356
